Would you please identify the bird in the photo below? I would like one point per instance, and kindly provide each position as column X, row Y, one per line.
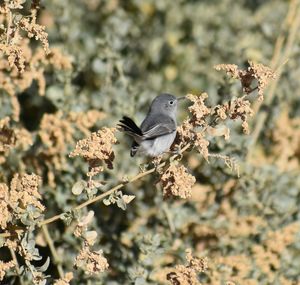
column 157, row 131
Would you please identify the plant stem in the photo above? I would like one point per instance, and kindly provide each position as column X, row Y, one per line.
column 112, row 190
column 103, row 195
column 14, row 257
column 53, row 250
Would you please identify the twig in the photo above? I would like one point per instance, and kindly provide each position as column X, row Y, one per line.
column 14, row 257
column 53, row 251
column 112, row 190
column 103, row 195
column 27, row 262
column 169, row 218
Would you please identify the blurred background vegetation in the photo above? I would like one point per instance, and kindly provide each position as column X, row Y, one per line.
column 123, row 54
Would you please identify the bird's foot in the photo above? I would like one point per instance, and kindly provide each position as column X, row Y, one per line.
column 143, row 167
column 177, row 153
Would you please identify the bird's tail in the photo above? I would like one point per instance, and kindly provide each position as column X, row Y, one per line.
column 129, row 126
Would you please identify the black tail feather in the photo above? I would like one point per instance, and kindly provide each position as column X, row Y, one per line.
column 129, row 126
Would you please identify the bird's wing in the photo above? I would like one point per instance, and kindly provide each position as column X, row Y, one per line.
column 160, row 129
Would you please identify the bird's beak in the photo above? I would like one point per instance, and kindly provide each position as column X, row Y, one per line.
column 180, row 98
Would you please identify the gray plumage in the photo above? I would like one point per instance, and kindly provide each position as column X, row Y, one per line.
column 158, row 130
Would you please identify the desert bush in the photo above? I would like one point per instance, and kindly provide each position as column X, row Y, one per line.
column 222, row 208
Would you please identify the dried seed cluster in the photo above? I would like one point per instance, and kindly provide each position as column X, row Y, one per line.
column 92, row 262
column 187, row 274
column 97, row 147
column 176, row 181
column 263, row 74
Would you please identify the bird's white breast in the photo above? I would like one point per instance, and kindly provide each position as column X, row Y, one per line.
column 157, row 146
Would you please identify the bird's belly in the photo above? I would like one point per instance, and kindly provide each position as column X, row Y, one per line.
column 157, row 146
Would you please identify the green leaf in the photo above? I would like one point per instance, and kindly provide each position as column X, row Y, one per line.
column 78, row 187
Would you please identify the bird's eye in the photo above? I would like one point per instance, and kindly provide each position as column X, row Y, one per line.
column 171, row 102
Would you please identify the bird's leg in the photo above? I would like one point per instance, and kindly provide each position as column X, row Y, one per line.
column 144, row 166
column 156, row 160
column 176, row 151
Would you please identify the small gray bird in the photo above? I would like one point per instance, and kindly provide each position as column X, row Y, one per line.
column 157, row 131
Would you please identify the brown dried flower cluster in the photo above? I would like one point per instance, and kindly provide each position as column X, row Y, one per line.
column 7, row 135
column 97, row 148
column 23, row 192
column 201, row 144
column 12, row 138
column 36, row 31
column 238, row 108
column 187, row 131
column 10, row 44
column 263, row 74
column 85, row 120
column 13, row 82
column 15, row 56
column 20, row 65
column 187, row 274
column 198, row 110
column 205, row 121
column 4, row 266
column 176, row 181
column 92, row 262
column 258, row 71
column 57, row 131
column 65, row 280
column 5, row 216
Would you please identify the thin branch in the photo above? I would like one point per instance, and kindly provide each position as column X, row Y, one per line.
column 56, row 258
column 112, row 190
column 103, row 195
column 169, row 218
column 14, row 257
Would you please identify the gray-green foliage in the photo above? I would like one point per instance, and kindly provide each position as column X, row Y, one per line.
column 123, row 55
